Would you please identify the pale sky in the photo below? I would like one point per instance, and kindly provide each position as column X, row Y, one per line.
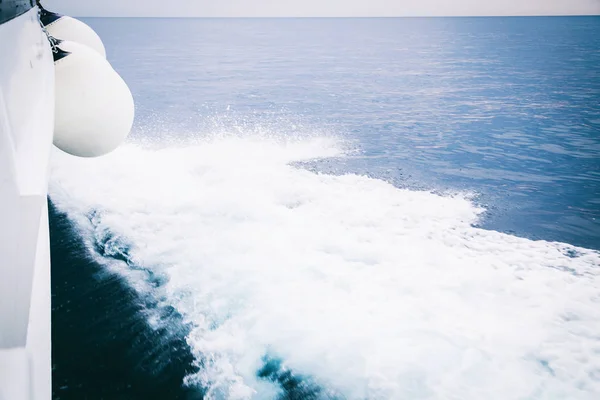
column 320, row 8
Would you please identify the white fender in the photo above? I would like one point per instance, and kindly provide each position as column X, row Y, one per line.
column 73, row 30
column 94, row 108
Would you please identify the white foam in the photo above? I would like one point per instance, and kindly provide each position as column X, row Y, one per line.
column 373, row 291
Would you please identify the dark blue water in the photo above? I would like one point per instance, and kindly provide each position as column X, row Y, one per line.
column 506, row 108
column 102, row 347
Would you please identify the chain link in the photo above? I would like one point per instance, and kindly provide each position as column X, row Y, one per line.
column 51, row 39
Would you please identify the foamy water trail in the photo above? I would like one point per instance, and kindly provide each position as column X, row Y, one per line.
column 354, row 288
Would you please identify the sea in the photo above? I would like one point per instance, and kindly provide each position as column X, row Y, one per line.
column 385, row 208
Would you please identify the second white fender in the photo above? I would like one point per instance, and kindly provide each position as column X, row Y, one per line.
column 94, row 108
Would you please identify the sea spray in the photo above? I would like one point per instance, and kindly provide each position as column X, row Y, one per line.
column 364, row 289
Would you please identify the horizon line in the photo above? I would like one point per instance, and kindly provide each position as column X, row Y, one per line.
column 341, row 17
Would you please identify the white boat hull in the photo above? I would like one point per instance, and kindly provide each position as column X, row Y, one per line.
column 26, row 126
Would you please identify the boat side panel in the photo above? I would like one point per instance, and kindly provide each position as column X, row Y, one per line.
column 26, row 126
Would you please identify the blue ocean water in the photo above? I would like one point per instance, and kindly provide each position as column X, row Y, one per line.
column 506, row 110
column 507, row 107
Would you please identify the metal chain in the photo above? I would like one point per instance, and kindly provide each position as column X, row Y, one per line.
column 51, row 39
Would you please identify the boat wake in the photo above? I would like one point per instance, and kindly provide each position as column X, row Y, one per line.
column 298, row 284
